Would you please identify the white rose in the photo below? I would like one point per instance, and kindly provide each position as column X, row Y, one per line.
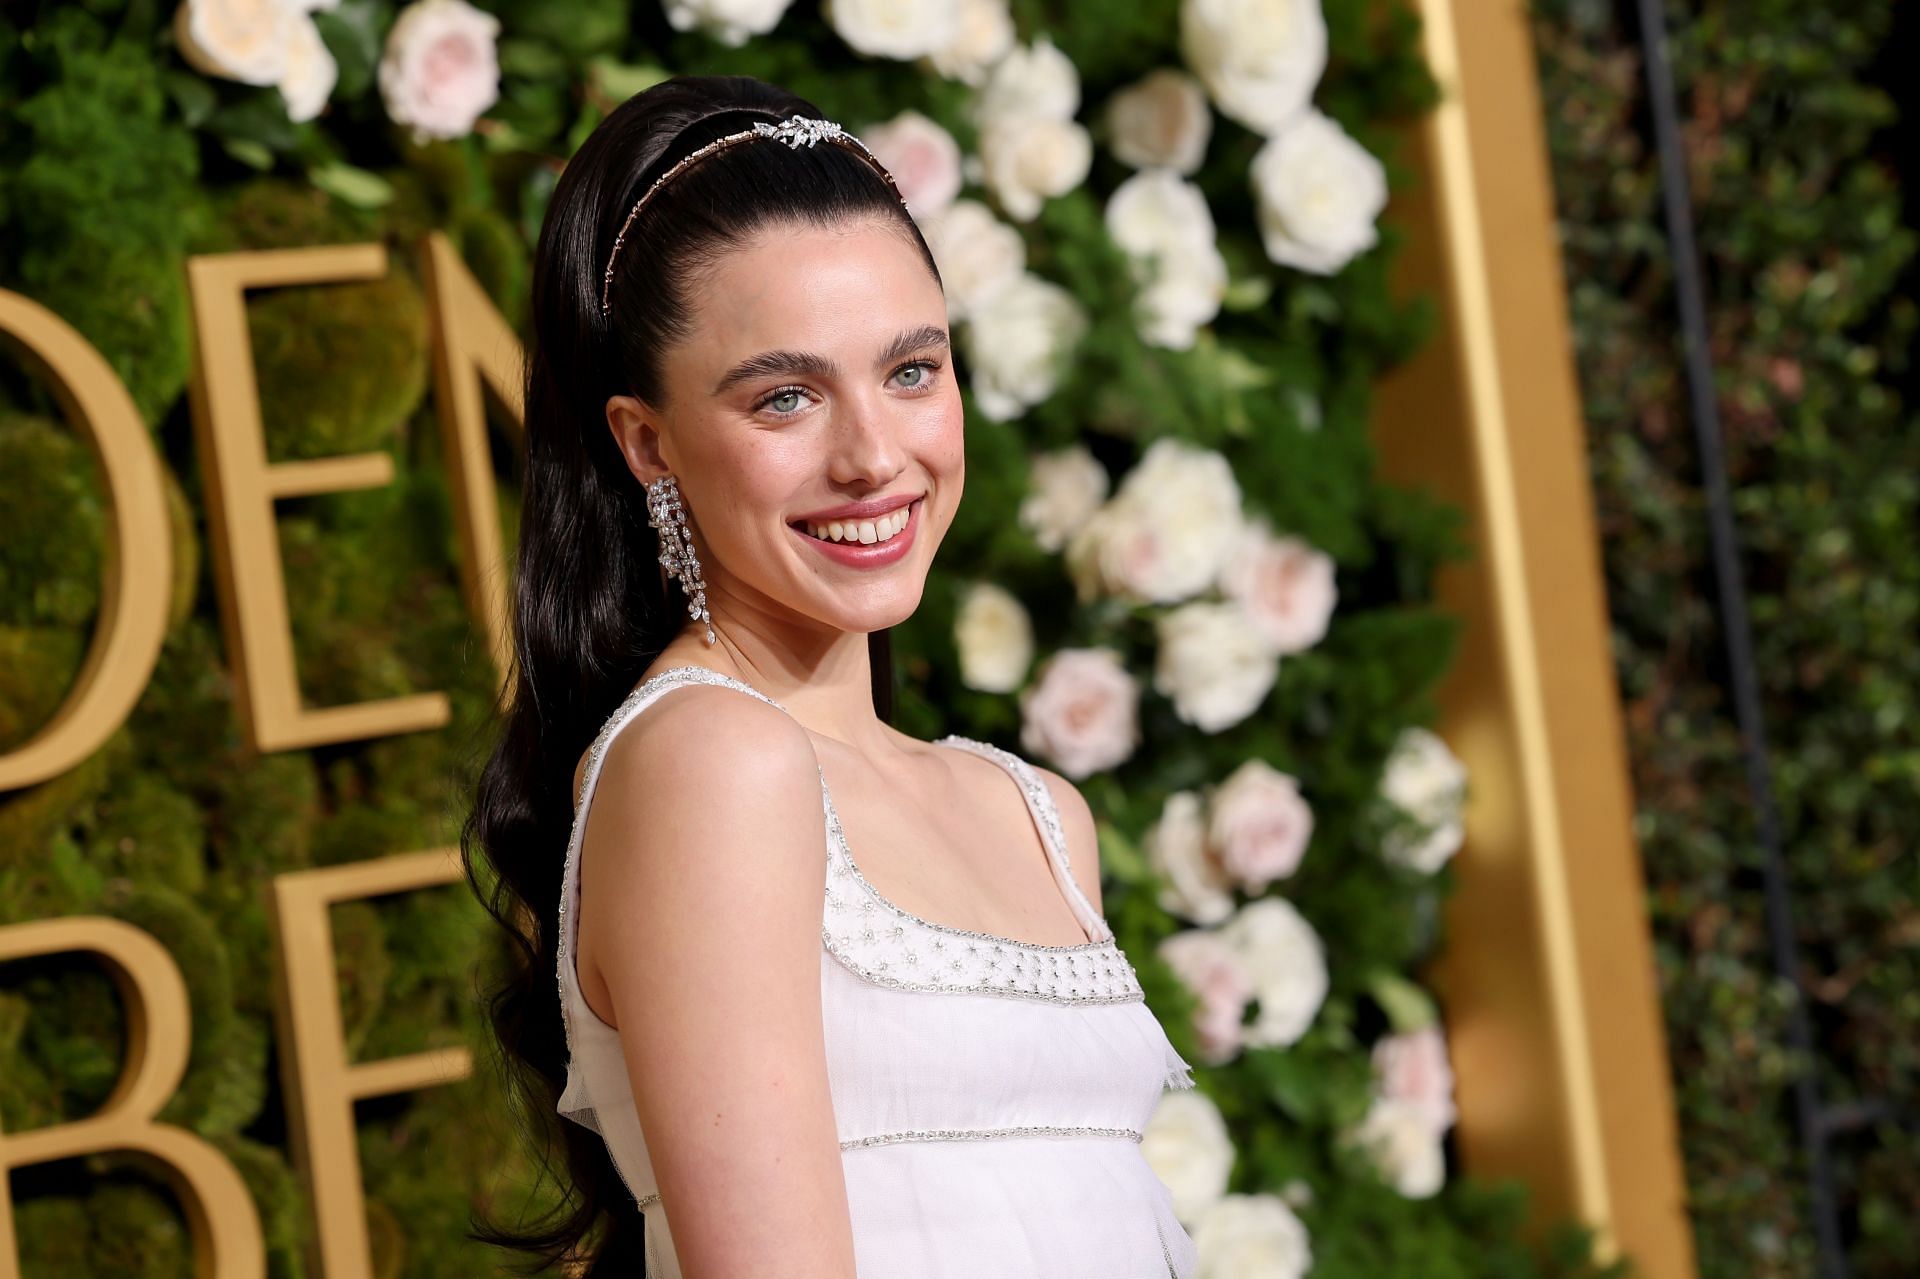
column 1260, row 59
column 731, row 22
column 1064, row 489
column 1029, row 159
column 1187, row 1145
column 1083, row 712
column 1163, row 224
column 902, row 29
column 923, row 159
column 995, row 638
column 1221, row 985
column 1284, row 584
column 1317, row 193
column 1160, row 120
column 1180, row 295
column 244, row 40
column 1213, row 664
column 440, row 70
column 1166, row 532
column 983, row 33
column 1193, row 884
column 1404, row 1145
column 1034, row 82
column 1246, row 1235
column 1428, row 782
column 1259, row 825
column 978, row 254
column 1413, row 1068
column 311, row 71
column 1017, row 340
column 1289, row 967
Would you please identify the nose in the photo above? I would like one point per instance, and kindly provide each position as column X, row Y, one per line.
column 868, row 448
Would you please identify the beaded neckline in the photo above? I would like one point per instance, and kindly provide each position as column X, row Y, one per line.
column 706, row 674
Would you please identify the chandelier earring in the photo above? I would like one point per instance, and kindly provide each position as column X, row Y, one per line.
column 669, row 517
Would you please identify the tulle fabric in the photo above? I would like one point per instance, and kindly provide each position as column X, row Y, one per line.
column 985, row 1135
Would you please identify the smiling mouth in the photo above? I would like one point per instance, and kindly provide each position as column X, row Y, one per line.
column 868, row 532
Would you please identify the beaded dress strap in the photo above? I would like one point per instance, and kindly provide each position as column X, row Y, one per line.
column 1046, row 815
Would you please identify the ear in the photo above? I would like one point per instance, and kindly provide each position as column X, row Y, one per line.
column 636, row 434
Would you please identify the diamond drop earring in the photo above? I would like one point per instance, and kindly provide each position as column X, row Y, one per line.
column 666, row 514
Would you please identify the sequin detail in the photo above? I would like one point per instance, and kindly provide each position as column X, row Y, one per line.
column 989, row 1134
column 891, row 946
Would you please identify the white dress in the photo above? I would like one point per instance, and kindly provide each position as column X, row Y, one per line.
column 989, row 1093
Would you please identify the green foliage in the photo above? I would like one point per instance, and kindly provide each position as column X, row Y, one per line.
column 101, row 193
column 1810, row 270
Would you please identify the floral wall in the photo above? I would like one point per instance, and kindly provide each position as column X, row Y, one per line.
column 1177, row 579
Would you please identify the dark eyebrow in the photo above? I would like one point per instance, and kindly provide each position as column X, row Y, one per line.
column 803, row 363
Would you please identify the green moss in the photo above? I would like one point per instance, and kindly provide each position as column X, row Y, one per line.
column 138, row 1231
column 105, row 199
column 145, row 829
column 38, row 665
column 279, row 213
column 279, row 1200
column 363, row 967
column 53, row 525
column 340, row 366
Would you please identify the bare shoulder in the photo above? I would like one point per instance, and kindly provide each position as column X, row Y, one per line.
column 702, row 879
column 1083, row 839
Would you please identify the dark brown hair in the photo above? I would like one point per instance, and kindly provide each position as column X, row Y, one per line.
column 591, row 608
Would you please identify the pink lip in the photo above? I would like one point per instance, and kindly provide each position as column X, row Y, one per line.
column 865, row 554
column 869, row 509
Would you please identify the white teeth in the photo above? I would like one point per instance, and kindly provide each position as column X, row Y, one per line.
column 864, row 531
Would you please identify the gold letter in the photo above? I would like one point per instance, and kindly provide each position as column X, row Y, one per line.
column 321, row 1084
column 242, row 486
column 133, row 601
column 227, row 1241
column 471, row 338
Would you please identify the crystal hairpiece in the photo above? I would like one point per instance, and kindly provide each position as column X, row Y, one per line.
column 795, row 131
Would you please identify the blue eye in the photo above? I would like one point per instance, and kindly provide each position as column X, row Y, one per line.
column 925, row 382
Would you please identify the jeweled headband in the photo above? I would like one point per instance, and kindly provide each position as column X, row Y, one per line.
column 794, row 131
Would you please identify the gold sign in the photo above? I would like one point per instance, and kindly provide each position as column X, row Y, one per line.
column 473, row 347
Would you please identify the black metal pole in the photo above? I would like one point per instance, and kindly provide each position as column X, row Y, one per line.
column 1737, row 627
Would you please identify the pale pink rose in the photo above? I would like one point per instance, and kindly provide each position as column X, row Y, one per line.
column 1213, row 971
column 1160, row 119
column 1192, row 883
column 244, row 40
column 440, row 69
column 1414, row 1068
column 1259, row 824
column 1083, row 712
column 1283, row 583
column 923, row 159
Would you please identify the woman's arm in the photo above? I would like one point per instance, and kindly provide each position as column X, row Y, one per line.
column 703, row 874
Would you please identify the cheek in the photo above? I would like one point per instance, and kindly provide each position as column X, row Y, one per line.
column 943, row 440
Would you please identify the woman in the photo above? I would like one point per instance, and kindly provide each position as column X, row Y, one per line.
column 932, row 1061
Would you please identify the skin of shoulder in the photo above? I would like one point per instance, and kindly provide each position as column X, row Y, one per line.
column 702, row 881
column 1083, row 839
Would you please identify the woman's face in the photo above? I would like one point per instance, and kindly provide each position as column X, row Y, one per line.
column 818, row 375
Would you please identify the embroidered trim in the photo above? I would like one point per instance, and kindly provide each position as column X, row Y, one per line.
column 989, row 1134
column 912, row 953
